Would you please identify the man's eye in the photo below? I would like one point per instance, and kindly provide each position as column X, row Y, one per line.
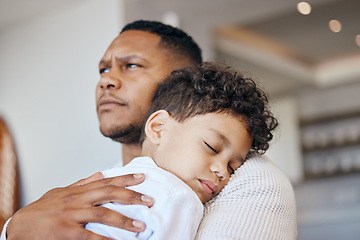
column 104, row 70
column 212, row 149
column 131, row 65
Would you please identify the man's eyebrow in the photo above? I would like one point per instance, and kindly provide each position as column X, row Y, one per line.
column 102, row 62
column 124, row 59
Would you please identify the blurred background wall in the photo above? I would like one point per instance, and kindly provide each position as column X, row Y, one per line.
column 49, row 51
column 48, row 72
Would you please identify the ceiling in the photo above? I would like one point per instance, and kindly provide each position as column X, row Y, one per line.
column 292, row 50
column 309, row 37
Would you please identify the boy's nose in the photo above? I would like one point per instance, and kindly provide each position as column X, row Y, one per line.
column 219, row 169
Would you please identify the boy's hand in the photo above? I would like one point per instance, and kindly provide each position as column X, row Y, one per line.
column 62, row 213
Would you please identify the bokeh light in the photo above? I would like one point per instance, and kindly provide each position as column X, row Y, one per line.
column 357, row 40
column 304, row 8
column 335, row 25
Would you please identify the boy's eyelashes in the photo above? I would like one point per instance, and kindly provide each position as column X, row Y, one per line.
column 212, row 149
column 231, row 169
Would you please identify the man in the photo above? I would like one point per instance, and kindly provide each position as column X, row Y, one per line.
column 135, row 63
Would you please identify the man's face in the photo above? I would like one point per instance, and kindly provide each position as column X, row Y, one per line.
column 130, row 71
column 204, row 150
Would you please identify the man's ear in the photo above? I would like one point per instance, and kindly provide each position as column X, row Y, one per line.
column 155, row 125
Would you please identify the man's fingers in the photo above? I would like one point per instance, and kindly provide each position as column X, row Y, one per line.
column 120, row 181
column 63, row 211
column 103, row 191
column 124, row 180
column 92, row 178
column 108, row 193
column 87, row 184
column 122, row 195
column 108, row 217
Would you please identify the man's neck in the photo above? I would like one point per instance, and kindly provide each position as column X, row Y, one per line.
column 130, row 151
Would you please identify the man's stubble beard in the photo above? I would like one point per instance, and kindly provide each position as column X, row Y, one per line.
column 125, row 134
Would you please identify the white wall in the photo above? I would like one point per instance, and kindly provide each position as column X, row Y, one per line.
column 48, row 74
column 315, row 103
column 285, row 148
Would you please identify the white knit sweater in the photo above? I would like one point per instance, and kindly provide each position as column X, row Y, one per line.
column 257, row 203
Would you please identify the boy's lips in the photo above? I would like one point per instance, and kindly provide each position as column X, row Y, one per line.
column 209, row 186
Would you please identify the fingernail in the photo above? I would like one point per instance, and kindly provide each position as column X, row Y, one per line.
column 138, row 224
column 137, row 175
column 145, row 198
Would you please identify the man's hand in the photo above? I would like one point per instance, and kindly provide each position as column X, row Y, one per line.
column 62, row 213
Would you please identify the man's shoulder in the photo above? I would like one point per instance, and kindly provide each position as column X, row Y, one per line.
column 257, row 203
column 259, row 174
column 261, row 166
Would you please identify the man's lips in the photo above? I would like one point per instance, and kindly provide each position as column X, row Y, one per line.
column 109, row 102
column 209, row 186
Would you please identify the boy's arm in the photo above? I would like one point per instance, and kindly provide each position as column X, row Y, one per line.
column 61, row 213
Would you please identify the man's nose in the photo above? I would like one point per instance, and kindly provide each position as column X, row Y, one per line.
column 110, row 80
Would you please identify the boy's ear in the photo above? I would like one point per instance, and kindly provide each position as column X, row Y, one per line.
column 155, row 125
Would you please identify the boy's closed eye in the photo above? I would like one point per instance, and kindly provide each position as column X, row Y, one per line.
column 230, row 169
column 211, row 148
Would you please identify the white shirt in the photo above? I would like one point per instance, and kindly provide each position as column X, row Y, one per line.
column 175, row 215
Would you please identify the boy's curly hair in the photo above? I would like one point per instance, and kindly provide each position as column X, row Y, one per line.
column 211, row 88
